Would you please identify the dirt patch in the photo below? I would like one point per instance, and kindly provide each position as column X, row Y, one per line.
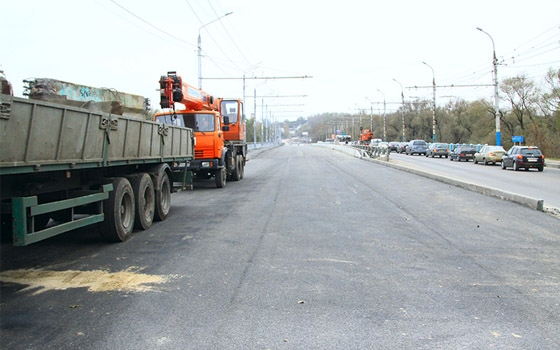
column 95, row 281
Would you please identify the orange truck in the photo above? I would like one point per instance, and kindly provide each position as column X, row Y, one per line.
column 366, row 136
column 218, row 124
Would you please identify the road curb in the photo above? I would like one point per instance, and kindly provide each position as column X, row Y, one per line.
column 552, row 163
column 533, row 203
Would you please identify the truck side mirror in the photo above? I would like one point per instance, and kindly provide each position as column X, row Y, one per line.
column 225, row 127
column 226, row 120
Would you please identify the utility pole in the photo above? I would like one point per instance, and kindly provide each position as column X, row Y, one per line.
column 402, row 112
column 384, row 116
column 434, row 104
column 496, row 95
column 255, row 119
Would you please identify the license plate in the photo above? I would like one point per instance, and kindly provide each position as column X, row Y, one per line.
column 531, row 160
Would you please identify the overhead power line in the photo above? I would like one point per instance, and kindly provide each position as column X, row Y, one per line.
column 262, row 78
column 151, row 25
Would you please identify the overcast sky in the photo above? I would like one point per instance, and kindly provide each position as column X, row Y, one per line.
column 351, row 50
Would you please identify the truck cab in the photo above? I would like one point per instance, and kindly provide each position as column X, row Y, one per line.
column 232, row 112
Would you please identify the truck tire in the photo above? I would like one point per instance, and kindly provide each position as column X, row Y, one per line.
column 144, row 195
column 220, row 177
column 119, row 211
column 163, row 197
column 236, row 173
column 242, row 167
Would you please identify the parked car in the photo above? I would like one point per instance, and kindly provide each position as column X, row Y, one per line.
column 525, row 157
column 489, row 154
column 438, row 149
column 462, row 152
column 416, row 146
column 401, row 148
column 393, row 145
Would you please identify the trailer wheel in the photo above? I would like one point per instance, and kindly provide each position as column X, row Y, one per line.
column 163, row 197
column 144, row 194
column 119, row 212
column 221, row 177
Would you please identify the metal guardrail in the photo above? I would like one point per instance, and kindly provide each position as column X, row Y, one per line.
column 360, row 151
column 373, row 151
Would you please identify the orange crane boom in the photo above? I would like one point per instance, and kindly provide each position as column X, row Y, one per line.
column 172, row 90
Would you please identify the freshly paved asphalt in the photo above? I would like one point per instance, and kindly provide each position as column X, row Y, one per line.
column 313, row 249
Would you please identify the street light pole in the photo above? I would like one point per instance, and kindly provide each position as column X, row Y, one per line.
column 496, row 96
column 384, row 117
column 200, row 49
column 434, row 104
column 402, row 111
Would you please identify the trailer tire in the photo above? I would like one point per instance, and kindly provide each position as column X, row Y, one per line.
column 162, row 196
column 119, row 212
column 221, row 177
column 144, row 195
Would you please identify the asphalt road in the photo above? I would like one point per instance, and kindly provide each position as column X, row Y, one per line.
column 313, row 249
column 540, row 185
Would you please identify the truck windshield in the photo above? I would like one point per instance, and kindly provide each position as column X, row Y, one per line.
column 197, row 122
column 170, row 119
column 202, row 122
column 230, row 108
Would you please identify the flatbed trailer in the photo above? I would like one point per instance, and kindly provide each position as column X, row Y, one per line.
column 65, row 167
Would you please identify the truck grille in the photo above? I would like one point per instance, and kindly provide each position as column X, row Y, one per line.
column 203, row 153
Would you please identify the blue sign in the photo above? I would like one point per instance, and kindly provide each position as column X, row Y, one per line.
column 518, row 139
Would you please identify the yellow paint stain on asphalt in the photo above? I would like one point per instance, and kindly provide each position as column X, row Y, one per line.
column 95, row 281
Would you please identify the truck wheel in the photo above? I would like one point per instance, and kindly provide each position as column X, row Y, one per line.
column 163, row 197
column 242, row 167
column 236, row 174
column 119, row 212
column 220, row 177
column 144, row 194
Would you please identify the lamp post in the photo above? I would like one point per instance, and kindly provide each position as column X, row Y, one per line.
column 434, row 104
column 200, row 49
column 402, row 112
column 384, row 117
column 496, row 97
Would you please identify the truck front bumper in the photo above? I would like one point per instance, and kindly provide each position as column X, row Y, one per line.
column 204, row 164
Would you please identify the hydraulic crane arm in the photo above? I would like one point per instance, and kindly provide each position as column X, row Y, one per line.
column 172, row 89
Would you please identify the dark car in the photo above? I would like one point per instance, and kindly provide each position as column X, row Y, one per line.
column 393, row 146
column 416, row 146
column 401, row 148
column 438, row 149
column 523, row 157
column 460, row 153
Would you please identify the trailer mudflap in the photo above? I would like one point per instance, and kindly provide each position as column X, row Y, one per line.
column 25, row 210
